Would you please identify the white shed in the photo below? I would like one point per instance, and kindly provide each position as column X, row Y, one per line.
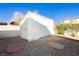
column 33, row 26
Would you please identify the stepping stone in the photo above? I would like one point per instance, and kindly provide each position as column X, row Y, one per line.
column 55, row 45
column 52, row 43
column 13, row 48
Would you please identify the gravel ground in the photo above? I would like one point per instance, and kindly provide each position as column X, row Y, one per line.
column 41, row 47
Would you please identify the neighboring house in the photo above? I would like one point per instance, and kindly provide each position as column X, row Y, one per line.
column 73, row 20
column 67, row 21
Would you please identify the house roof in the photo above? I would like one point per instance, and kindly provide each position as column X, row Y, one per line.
column 39, row 18
column 77, row 17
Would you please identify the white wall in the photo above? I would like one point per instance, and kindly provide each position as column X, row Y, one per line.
column 9, row 33
column 77, row 21
column 32, row 30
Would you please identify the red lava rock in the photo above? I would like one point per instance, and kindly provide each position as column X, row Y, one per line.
column 12, row 48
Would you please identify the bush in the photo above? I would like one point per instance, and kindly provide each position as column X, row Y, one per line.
column 61, row 28
column 73, row 34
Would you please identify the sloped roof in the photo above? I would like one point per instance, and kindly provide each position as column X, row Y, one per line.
column 39, row 18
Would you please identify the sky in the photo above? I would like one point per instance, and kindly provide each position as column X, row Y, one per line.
column 56, row 11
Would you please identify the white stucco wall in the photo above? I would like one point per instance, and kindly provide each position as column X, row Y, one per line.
column 32, row 30
column 67, row 21
column 49, row 23
column 77, row 20
column 9, row 31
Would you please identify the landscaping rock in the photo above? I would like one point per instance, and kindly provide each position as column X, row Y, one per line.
column 12, row 48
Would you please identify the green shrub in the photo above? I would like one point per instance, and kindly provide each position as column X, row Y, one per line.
column 61, row 28
column 73, row 34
